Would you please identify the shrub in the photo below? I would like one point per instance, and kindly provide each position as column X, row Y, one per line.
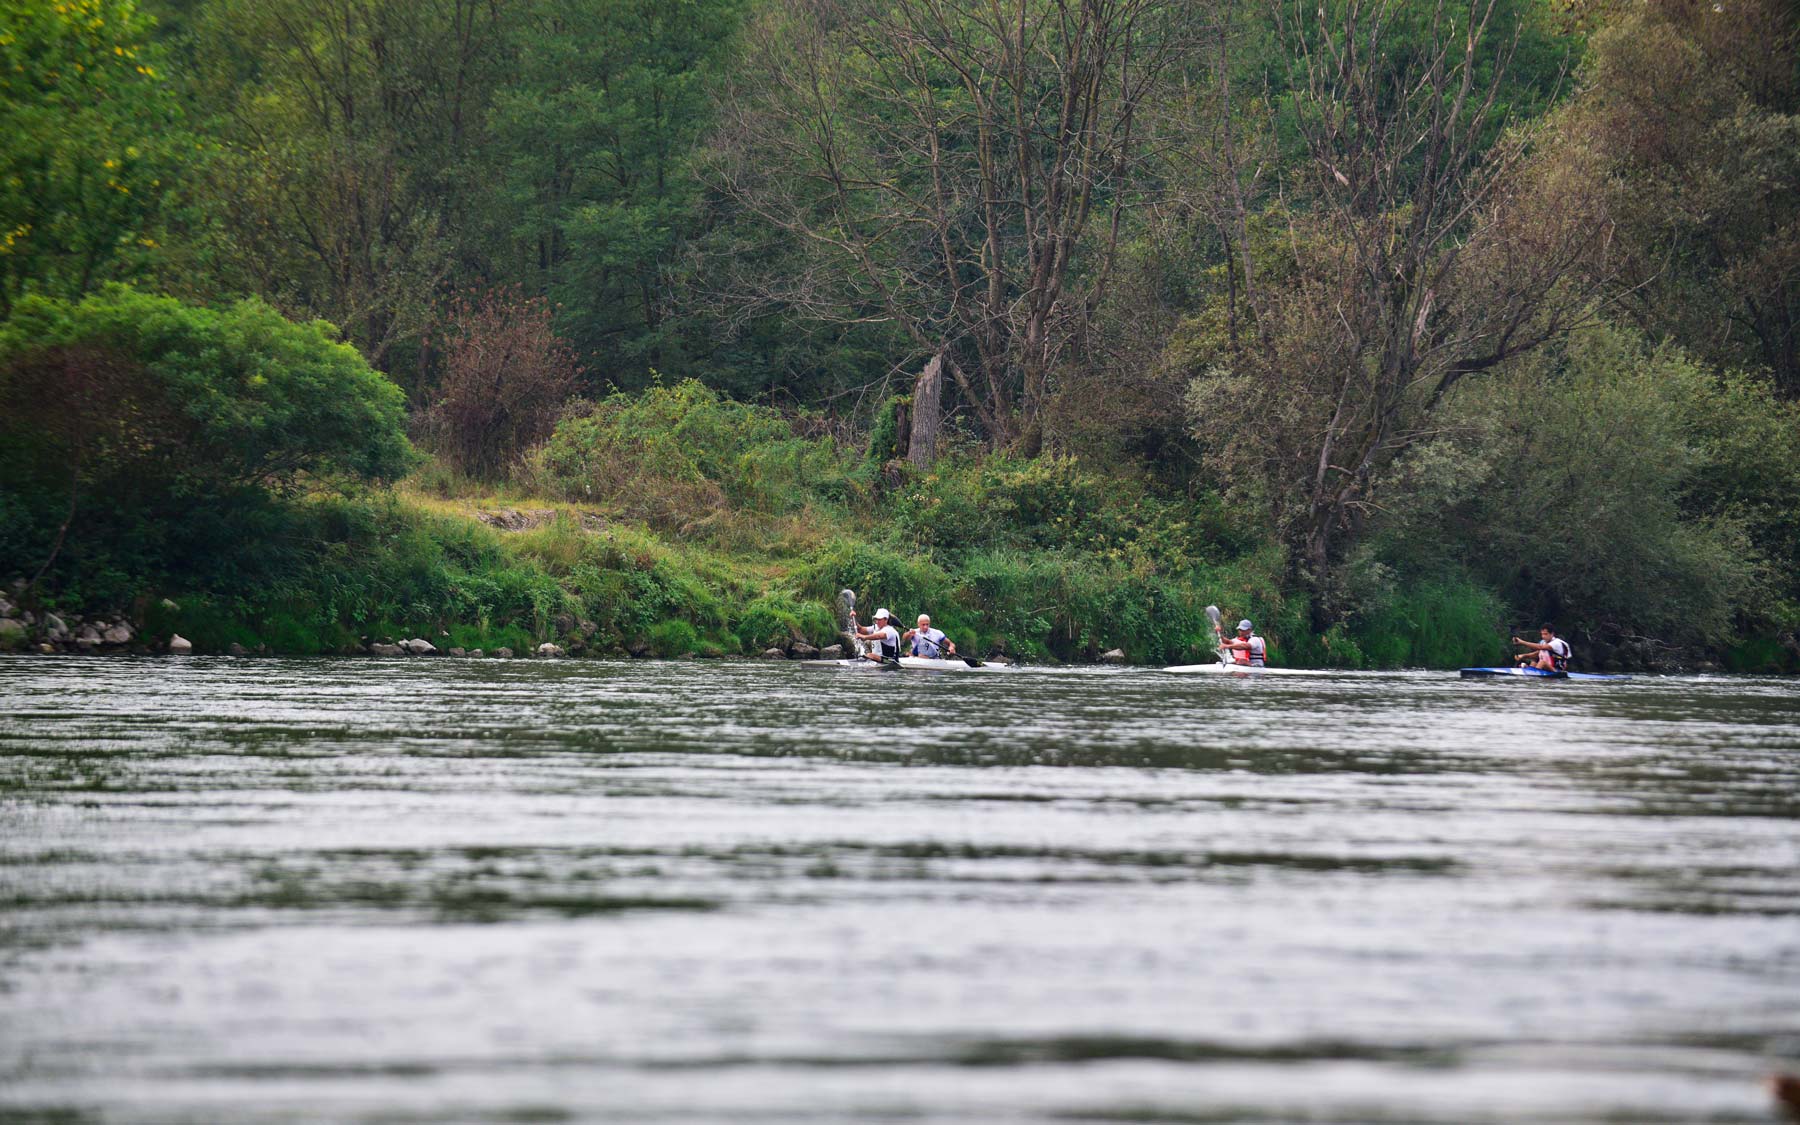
column 673, row 638
column 682, row 457
column 1449, row 622
column 1057, row 503
column 774, row 619
column 1615, row 489
column 141, row 436
column 505, row 377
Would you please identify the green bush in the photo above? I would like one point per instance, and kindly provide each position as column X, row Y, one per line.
column 774, row 619
column 681, row 457
column 673, row 638
column 1614, row 489
column 1057, row 503
column 169, row 431
column 1444, row 623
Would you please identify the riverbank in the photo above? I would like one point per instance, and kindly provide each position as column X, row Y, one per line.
column 402, row 571
column 459, row 571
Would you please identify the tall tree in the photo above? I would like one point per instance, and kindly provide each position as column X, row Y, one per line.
column 348, row 130
column 1695, row 109
column 955, row 168
column 1416, row 251
column 594, row 141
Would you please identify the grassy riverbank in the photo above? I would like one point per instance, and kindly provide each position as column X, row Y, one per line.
column 469, row 567
column 1044, row 560
column 478, row 570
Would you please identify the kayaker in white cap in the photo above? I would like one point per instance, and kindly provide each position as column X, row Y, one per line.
column 1246, row 648
column 888, row 637
column 927, row 641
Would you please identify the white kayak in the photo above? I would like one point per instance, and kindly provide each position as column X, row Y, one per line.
column 907, row 664
column 1217, row 669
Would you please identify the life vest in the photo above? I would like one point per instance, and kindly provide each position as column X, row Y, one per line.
column 1559, row 658
column 1254, row 656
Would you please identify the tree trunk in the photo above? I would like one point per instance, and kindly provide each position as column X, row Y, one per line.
column 927, row 413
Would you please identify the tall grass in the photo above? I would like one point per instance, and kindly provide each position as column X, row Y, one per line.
column 1443, row 623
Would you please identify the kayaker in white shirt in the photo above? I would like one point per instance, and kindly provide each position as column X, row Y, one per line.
column 1551, row 655
column 927, row 641
column 887, row 638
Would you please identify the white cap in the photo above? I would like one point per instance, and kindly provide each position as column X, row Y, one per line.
column 1244, row 626
column 880, row 613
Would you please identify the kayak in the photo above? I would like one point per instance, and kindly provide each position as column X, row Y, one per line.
column 1216, row 668
column 1532, row 674
column 907, row 664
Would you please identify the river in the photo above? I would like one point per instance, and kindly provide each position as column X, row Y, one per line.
column 457, row 890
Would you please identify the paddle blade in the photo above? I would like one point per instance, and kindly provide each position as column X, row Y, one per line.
column 1212, row 614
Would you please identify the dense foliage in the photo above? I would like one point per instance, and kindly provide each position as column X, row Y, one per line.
column 1395, row 325
column 93, row 146
column 143, row 437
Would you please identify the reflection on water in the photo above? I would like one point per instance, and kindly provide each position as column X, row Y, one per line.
column 480, row 891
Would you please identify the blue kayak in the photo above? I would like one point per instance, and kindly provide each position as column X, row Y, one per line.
column 1533, row 674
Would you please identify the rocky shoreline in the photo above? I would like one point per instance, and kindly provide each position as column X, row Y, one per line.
column 52, row 633
column 48, row 633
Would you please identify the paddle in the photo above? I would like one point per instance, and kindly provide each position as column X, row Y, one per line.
column 1212, row 614
column 969, row 660
column 847, row 619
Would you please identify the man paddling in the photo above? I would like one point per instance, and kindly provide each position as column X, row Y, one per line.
column 1246, row 648
column 927, row 641
column 888, row 638
column 1550, row 655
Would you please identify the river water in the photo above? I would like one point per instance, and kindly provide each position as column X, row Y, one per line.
column 436, row 891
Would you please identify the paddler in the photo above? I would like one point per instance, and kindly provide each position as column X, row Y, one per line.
column 887, row 637
column 927, row 641
column 1246, row 648
column 1551, row 653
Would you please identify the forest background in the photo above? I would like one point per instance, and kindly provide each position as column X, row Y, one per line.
column 646, row 325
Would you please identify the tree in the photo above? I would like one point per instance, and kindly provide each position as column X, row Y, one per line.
column 92, row 141
column 505, row 377
column 1695, row 110
column 349, row 128
column 593, row 142
column 1415, row 252
column 1617, row 487
column 959, row 170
